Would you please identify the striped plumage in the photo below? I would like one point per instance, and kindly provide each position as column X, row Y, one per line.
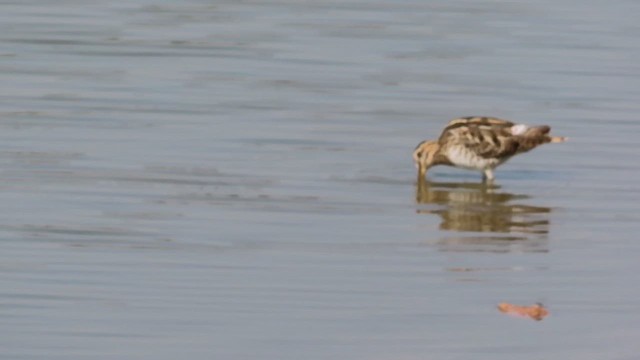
column 480, row 143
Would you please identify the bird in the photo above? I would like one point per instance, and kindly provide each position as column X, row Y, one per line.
column 480, row 143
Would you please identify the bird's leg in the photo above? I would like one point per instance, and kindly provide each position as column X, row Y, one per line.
column 487, row 176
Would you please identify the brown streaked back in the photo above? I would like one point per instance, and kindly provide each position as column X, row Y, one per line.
column 480, row 138
column 488, row 137
column 481, row 121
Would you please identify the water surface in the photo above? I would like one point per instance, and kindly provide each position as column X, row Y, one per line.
column 233, row 180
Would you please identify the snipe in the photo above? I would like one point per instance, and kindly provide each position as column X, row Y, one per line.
column 480, row 143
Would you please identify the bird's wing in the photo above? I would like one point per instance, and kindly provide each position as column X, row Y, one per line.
column 484, row 136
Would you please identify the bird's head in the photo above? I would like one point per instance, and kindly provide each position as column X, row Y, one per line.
column 424, row 156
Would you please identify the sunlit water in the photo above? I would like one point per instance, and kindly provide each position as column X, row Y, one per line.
column 233, row 180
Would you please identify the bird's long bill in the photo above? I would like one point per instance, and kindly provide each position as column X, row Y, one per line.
column 422, row 171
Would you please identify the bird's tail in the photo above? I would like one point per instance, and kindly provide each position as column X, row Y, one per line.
column 558, row 139
column 532, row 137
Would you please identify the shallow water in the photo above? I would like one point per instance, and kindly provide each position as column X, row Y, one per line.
column 233, row 180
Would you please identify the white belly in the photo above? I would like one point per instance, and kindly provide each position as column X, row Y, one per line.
column 464, row 158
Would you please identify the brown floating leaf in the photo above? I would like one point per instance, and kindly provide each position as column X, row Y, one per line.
column 536, row 312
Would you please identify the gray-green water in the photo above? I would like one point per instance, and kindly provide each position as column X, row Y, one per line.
column 233, row 180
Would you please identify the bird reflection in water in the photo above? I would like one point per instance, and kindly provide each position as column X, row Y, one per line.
column 493, row 219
